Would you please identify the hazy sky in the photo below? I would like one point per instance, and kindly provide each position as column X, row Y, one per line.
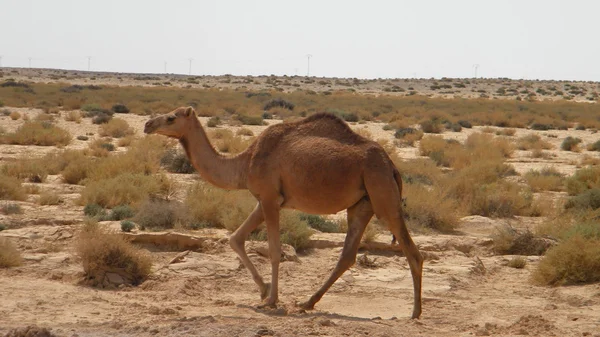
column 365, row 39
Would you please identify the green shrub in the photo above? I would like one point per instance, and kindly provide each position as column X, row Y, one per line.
column 2, row 227
column 160, row 214
column 94, row 211
column 213, row 122
column 589, row 199
column 587, row 230
column 120, row 108
column 250, row 120
column 465, row 124
column 570, row 144
column 40, row 134
column 573, row 261
column 176, row 162
column 10, row 208
column 121, row 212
column 319, row 223
column 127, row 226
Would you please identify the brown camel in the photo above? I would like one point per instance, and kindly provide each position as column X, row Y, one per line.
column 317, row 165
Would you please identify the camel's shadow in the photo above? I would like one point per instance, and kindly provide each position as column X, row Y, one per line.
column 295, row 312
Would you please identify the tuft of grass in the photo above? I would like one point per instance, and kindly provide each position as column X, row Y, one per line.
column 517, row 262
column 11, row 188
column 9, row 255
column 116, row 128
column 40, row 134
column 73, row 116
column 101, row 251
column 49, row 198
column 573, row 261
column 570, row 144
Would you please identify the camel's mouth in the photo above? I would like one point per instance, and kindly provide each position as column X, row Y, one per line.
column 149, row 127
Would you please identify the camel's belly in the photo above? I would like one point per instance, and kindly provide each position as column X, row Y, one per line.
column 321, row 199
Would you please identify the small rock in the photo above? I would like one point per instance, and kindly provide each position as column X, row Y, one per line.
column 327, row 322
column 550, row 307
column 115, row 278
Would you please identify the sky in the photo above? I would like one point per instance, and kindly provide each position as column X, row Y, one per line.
column 529, row 39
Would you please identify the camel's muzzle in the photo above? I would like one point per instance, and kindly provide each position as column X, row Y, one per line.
column 149, row 126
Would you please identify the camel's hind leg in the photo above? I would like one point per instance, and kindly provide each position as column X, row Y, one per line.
column 385, row 192
column 237, row 241
column 358, row 218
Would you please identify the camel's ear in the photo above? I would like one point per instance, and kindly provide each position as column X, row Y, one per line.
column 189, row 111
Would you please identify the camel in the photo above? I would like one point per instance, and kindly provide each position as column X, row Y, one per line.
column 317, row 165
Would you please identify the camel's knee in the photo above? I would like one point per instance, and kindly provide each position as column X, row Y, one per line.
column 346, row 261
column 236, row 242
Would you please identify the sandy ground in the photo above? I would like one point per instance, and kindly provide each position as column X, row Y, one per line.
column 467, row 289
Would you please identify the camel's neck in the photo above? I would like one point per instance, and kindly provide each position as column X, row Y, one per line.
column 228, row 172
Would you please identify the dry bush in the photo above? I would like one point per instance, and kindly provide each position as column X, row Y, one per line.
column 430, row 208
column 99, row 148
column 587, row 160
column 74, row 166
column 420, row 170
column 176, row 162
column 486, row 145
column 15, row 115
column 124, row 189
column 548, row 179
column 371, row 232
column 125, row 141
column 573, row 261
column 11, row 188
column 533, row 142
column 38, row 133
column 508, row 241
column 49, row 198
column 161, row 214
column 583, row 179
column 73, row 116
column 116, row 128
column 588, row 199
column 365, row 133
column 509, row 132
column 102, row 252
column 488, row 129
column 244, row 132
column 408, row 136
column 142, row 157
column 292, row 230
column 33, row 170
column 430, row 126
column 216, row 207
column 501, row 200
column 9, row 255
column 225, row 141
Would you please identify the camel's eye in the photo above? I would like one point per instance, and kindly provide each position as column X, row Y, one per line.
column 171, row 119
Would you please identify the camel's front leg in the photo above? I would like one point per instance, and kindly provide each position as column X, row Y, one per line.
column 271, row 213
column 237, row 241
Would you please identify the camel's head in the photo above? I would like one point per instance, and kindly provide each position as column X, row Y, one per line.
column 174, row 124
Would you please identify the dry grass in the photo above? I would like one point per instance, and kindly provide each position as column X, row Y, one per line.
column 124, row 189
column 49, row 198
column 73, row 116
column 224, row 141
column 583, row 179
column 9, row 255
column 160, row 215
column 216, row 207
column 11, row 188
column 116, row 128
column 508, row 241
column 15, row 115
column 547, row 179
column 573, row 261
column 430, row 208
column 244, row 132
column 420, row 170
column 33, row 170
column 533, row 142
column 101, row 251
column 38, row 133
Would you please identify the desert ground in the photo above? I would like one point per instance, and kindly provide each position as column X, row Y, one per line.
column 468, row 289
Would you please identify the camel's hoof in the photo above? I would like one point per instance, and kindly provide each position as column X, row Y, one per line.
column 268, row 305
column 306, row 305
column 265, row 291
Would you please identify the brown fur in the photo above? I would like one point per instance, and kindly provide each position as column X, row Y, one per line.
column 317, row 165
